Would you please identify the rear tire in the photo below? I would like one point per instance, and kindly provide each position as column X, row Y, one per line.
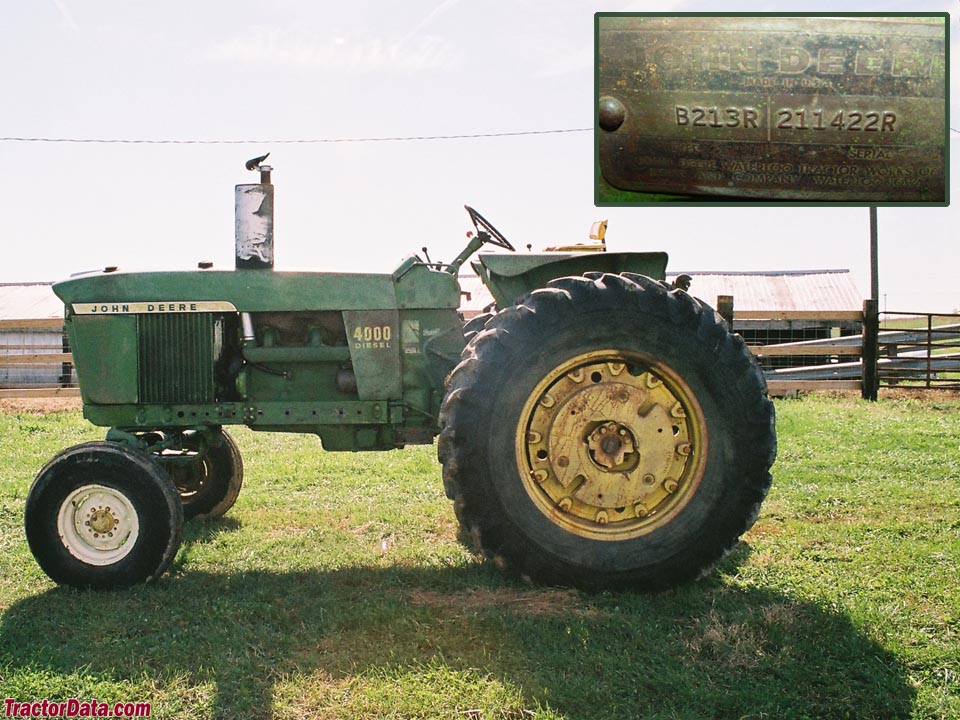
column 103, row 515
column 605, row 432
column 475, row 325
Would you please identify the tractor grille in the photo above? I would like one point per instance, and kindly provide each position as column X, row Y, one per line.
column 176, row 357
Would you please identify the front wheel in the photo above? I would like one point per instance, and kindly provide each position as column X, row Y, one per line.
column 606, row 433
column 103, row 515
column 208, row 475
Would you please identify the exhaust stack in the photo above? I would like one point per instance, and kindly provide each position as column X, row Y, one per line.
column 253, row 206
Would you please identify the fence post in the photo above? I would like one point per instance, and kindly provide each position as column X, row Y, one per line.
column 66, row 369
column 725, row 309
column 869, row 358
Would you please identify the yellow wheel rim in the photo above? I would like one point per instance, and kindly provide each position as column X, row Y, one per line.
column 611, row 445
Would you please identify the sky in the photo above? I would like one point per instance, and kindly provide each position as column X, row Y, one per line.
column 316, row 69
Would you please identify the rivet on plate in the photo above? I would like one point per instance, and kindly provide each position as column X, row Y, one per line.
column 612, row 113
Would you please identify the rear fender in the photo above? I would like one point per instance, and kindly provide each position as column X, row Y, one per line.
column 511, row 276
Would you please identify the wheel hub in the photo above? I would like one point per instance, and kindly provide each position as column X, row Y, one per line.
column 101, row 521
column 611, row 446
column 97, row 524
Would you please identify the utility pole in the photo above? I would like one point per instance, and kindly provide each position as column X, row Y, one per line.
column 874, row 264
column 871, row 320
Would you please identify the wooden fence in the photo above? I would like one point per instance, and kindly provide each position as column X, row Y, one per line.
column 911, row 351
column 919, row 350
column 814, row 359
column 51, row 359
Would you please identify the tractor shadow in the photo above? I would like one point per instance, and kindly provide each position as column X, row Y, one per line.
column 586, row 656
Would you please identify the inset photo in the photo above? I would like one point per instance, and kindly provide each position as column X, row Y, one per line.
column 733, row 108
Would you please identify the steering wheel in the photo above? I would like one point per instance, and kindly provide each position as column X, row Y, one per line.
column 484, row 228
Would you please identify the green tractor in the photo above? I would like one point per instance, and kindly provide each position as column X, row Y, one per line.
column 597, row 428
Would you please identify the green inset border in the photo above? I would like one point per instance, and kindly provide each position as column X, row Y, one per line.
column 606, row 195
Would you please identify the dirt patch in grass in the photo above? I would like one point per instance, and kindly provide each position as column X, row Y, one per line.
column 542, row 603
column 927, row 395
column 932, row 395
column 766, row 529
column 740, row 646
column 40, row 406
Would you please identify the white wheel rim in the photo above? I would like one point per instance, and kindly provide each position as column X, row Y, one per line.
column 98, row 525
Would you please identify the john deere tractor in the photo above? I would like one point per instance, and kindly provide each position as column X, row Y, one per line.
column 597, row 428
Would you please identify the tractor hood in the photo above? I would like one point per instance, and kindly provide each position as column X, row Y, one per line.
column 257, row 291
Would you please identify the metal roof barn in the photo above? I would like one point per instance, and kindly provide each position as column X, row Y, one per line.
column 31, row 324
column 774, row 292
column 29, row 301
column 779, row 291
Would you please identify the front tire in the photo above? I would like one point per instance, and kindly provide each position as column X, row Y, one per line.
column 604, row 433
column 103, row 515
column 208, row 478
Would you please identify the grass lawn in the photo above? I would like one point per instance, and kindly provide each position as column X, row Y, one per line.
column 336, row 588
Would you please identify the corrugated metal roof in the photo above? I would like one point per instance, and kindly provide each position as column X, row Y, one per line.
column 801, row 290
column 29, row 301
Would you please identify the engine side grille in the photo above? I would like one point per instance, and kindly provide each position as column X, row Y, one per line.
column 176, row 357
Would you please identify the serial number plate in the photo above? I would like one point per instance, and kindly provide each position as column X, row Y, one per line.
column 797, row 109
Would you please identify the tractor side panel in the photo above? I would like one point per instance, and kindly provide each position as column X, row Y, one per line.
column 106, row 378
column 374, row 337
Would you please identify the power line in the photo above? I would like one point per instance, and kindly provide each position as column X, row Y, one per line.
column 300, row 141
column 307, row 141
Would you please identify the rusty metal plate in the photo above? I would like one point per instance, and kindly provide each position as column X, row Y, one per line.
column 785, row 108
